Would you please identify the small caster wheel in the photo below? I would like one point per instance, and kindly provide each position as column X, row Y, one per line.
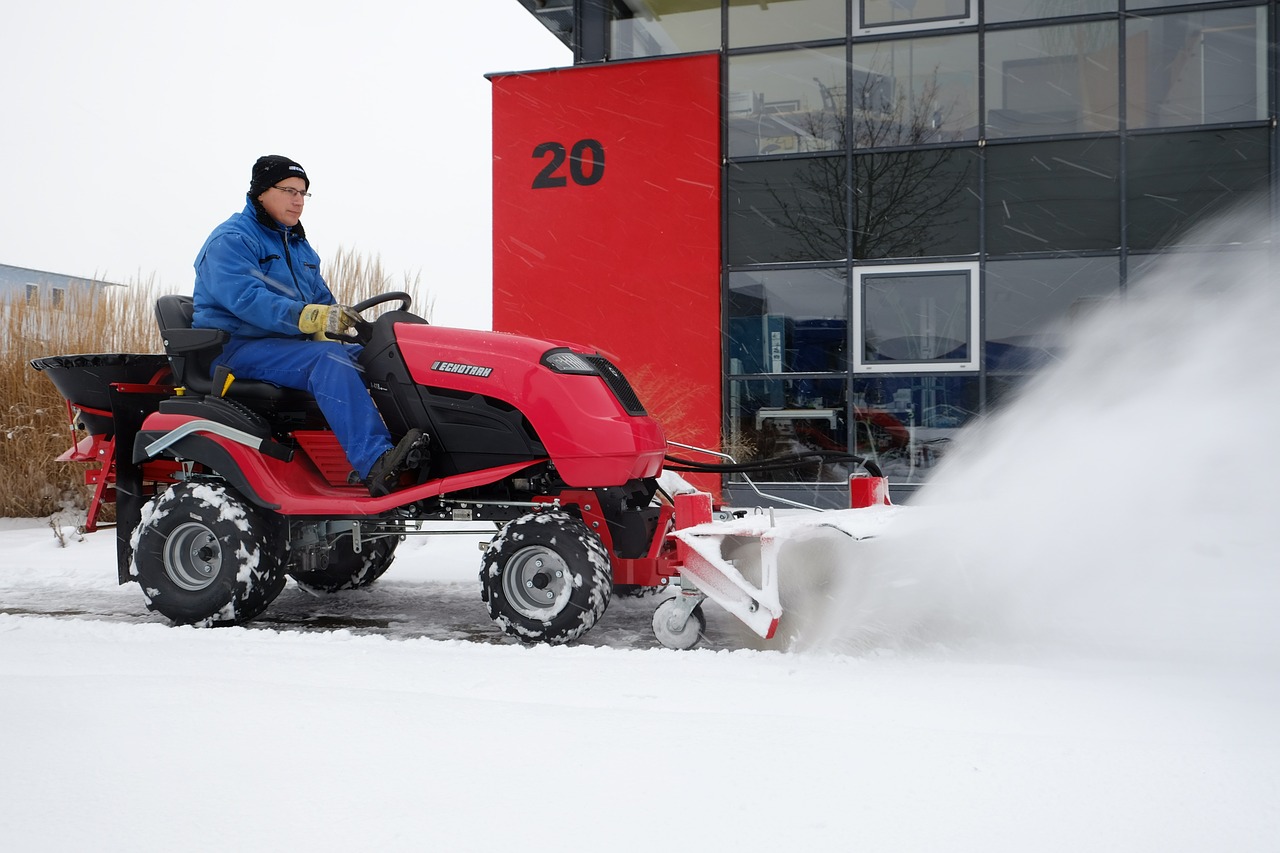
column 667, row 617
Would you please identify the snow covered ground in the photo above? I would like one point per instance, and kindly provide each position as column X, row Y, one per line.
column 1071, row 645
column 121, row 733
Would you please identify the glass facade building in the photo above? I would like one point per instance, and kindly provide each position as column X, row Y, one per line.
column 920, row 197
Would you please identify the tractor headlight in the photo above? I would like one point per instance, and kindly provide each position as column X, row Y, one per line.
column 567, row 361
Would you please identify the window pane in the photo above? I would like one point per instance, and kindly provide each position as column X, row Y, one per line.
column 788, row 210
column 1003, row 389
column 915, row 91
column 898, row 15
column 1027, row 10
column 916, row 203
column 661, row 27
column 916, row 320
column 905, row 423
column 1048, row 196
column 1053, row 80
column 1179, row 180
column 1201, row 268
column 1197, row 68
column 1031, row 304
column 782, row 21
column 792, row 320
column 775, row 417
column 785, row 103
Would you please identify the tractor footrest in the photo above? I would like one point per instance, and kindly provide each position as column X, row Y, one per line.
column 322, row 448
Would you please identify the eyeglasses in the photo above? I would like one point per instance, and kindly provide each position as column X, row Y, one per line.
column 291, row 191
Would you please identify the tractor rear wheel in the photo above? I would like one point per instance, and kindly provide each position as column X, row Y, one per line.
column 205, row 556
column 546, row 578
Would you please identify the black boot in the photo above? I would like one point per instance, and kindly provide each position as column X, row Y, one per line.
column 407, row 455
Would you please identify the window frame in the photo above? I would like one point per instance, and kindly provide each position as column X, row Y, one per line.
column 858, row 332
column 858, row 14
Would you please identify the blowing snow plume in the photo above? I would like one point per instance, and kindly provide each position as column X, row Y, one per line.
column 1125, row 503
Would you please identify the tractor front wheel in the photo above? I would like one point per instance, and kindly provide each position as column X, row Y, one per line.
column 546, row 578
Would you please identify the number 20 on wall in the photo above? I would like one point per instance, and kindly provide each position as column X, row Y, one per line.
column 586, row 164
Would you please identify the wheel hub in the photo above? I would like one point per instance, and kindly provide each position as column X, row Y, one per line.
column 192, row 556
column 536, row 582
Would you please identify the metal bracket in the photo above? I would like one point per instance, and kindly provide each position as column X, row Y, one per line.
column 689, row 599
column 175, row 435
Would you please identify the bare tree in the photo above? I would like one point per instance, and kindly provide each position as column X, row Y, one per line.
column 903, row 199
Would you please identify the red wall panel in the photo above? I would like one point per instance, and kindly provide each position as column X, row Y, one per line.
column 606, row 224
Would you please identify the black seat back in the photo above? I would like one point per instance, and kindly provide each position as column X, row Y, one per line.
column 190, row 351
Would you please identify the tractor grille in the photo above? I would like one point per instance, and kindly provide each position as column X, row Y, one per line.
column 617, row 383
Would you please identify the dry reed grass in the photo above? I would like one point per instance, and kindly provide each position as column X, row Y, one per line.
column 667, row 398
column 671, row 401
column 353, row 278
column 34, row 427
column 33, row 416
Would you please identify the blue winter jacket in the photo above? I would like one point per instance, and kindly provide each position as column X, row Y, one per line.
column 252, row 280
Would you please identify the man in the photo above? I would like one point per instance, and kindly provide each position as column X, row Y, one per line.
column 258, row 279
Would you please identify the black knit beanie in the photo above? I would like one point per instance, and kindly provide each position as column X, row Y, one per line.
column 271, row 170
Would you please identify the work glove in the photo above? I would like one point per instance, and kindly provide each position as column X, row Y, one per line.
column 324, row 321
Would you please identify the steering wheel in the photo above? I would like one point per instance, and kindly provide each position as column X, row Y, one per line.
column 363, row 328
column 365, row 304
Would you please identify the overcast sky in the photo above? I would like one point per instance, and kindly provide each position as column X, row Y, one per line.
column 129, row 131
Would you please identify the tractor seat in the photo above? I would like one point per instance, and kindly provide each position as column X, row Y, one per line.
column 192, row 351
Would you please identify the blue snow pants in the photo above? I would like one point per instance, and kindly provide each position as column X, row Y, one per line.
column 328, row 370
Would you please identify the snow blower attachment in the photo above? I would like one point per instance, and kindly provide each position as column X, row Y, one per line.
column 226, row 488
column 737, row 559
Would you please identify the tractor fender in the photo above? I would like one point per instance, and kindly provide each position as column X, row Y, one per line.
column 210, row 453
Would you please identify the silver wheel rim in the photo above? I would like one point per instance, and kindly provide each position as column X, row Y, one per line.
column 663, row 628
column 192, row 556
column 536, row 582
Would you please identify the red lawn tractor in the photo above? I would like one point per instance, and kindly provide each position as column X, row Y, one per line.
column 225, row 488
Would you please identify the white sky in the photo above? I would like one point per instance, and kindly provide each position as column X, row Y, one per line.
column 129, row 131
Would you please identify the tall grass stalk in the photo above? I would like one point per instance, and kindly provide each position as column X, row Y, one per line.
column 353, row 278
column 34, row 427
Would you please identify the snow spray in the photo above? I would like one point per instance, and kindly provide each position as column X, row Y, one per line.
column 1124, row 503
